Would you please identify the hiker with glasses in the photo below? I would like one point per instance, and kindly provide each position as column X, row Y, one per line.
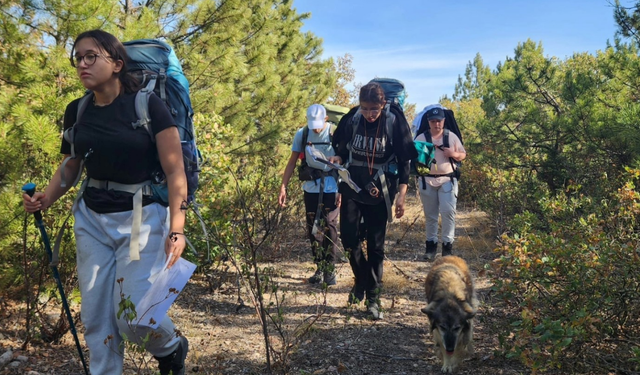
column 439, row 189
column 374, row 143
column 321, row 198
column 121, row 247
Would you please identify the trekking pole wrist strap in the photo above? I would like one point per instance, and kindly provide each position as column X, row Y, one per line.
column 174, row 236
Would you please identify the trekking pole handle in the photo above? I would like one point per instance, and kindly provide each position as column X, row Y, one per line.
column 30, row 189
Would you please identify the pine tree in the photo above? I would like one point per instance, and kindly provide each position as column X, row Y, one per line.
column 247, row 60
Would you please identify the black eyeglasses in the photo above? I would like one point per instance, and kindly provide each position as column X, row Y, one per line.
column 89, row 59
column 372, row 111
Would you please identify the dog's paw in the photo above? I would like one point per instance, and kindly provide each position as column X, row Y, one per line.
column 447, row 369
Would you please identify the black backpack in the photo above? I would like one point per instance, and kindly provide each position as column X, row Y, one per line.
column 450, row 125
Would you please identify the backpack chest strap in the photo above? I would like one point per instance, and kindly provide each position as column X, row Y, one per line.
column 359, row 163
column 138, row 191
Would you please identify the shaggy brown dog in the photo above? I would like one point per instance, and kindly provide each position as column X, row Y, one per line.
column 451, row 306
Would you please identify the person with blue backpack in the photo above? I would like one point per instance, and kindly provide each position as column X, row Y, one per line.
column 374, row 143
column 321, row 198
column 124, row 235
column 439, row 187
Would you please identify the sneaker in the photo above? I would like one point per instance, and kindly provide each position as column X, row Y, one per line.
column 173, row 364
column 330, row 278
column 316, row 278
column 374, row 310
column 431, row 250
column 356, row 295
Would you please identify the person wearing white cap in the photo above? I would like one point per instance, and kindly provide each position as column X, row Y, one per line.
column 321, row 198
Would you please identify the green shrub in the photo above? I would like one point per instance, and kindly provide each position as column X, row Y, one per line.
column 574, row 288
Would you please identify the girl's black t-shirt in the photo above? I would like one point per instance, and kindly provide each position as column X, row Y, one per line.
column 116, row 151
column 370, row 136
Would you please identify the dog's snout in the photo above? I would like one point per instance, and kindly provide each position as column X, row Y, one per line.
column 450, row 340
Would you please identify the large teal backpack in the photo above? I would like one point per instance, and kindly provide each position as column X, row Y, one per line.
column 157, row 68
column 394, row 90
column 155, row 64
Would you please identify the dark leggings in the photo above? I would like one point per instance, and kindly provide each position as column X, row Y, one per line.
column 324, row 243
column 367, row 271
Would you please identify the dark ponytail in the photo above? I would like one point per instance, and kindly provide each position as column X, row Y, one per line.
column 114, row 48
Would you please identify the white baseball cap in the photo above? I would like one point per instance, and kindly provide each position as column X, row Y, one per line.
column 316, row 115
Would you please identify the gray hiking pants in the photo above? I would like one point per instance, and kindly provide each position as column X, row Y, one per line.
column 102, row 242
column 440, row 201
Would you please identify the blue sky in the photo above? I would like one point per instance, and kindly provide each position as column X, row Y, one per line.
column 427, row 44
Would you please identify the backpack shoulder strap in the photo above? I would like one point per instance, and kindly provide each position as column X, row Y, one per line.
column 427, row 136
column 445, row 143
column 69, row 133
column 82, row 105
column 355, row 121
column 305, row 137
column 390, row 119
column 142, row 107
column 69, row 136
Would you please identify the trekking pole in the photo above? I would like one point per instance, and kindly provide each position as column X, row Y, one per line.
column 30, row 189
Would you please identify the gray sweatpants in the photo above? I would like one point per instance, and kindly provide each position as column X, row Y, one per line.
column 102, row 242
column 440, row 201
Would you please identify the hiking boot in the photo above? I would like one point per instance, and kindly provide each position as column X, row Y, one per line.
column 431, row 250
column 447, row 249
column 316, row 278
column 356, row 295
column 173, row 364
column 375, row 311
column 330, row 278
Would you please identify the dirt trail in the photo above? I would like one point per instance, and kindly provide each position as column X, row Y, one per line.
column 227, row 339
column 344, row 340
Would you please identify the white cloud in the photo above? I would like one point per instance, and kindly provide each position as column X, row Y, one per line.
column 427, row 77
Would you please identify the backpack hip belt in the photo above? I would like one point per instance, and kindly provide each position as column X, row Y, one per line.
column 144, row 187
column 323, row 174
column 138, row 191
column 382, row 168
column 385, row 167
column 452, row 174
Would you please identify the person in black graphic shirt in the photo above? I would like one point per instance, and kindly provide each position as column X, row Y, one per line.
column 379, row 164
